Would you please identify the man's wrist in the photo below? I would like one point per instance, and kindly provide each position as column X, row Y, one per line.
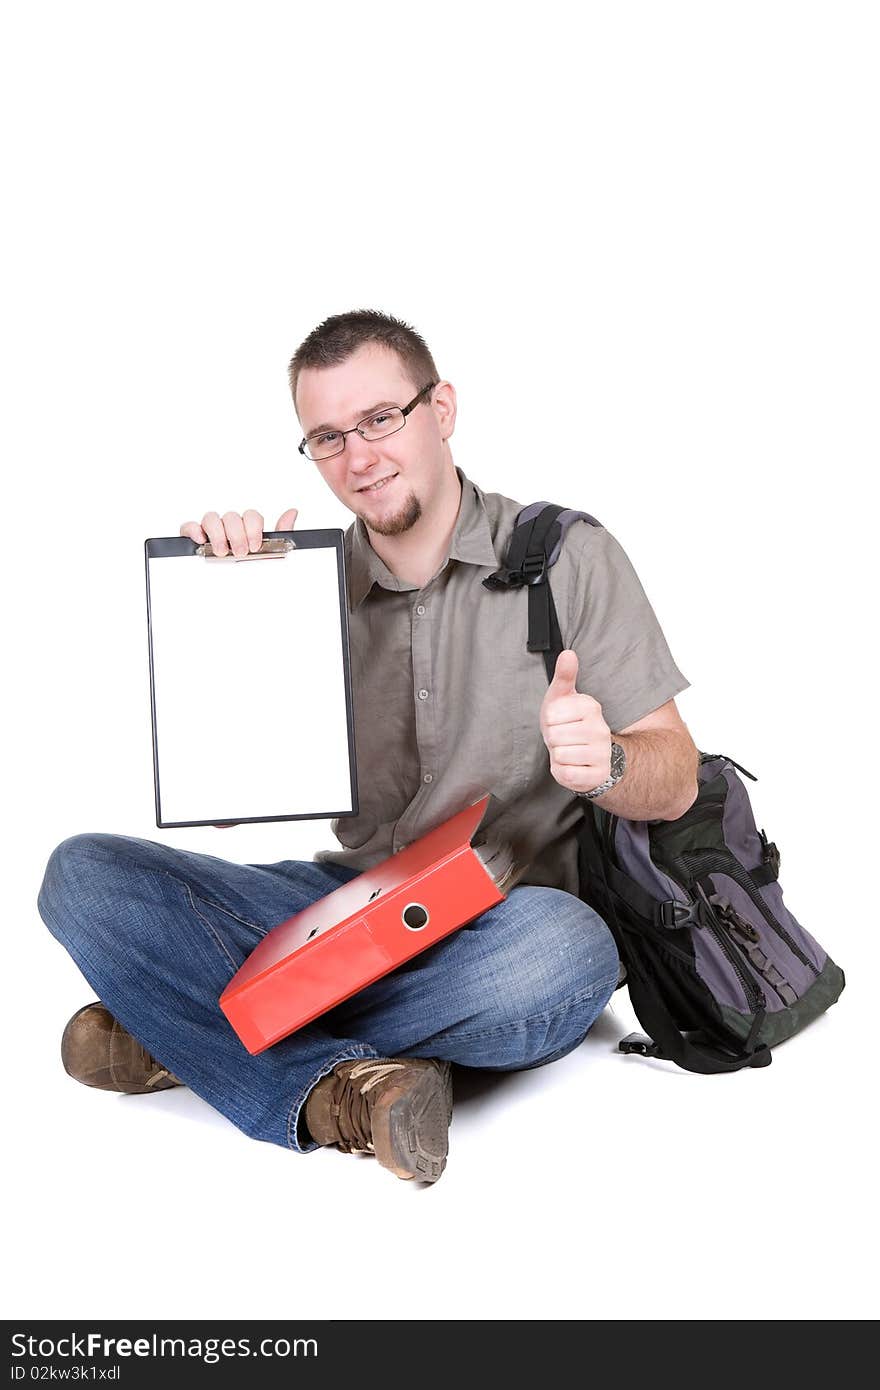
column 618, row 768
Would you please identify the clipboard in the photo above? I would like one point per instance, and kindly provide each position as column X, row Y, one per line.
column 250, row 681
column 366, row 928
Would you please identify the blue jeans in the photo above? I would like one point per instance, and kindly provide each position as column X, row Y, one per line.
column 158, row 932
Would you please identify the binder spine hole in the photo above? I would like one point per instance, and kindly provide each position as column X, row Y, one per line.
column 415, row 917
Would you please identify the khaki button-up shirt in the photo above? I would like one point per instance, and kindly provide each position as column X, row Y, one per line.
column 447, row 699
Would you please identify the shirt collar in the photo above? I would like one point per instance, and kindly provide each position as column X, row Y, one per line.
column 471, row 543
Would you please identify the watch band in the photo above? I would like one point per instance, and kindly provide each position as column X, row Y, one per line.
column 618, row 768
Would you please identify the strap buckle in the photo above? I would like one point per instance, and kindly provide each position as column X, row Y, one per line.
column 533, row 569
column 675, row 914
column 640, row 1044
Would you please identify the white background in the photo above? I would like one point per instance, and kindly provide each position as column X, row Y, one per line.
column 658, row 225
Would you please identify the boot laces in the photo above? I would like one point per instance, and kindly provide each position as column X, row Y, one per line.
column 158, row 1072
column 352, row 1112
column 157, row 1076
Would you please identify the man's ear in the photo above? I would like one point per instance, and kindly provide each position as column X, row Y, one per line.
column 444, row 404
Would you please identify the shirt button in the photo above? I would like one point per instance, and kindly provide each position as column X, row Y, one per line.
column 421, row 610
column 429, row 777
column 423, row 694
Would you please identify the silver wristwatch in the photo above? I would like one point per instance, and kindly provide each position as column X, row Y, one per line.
column 618, row 768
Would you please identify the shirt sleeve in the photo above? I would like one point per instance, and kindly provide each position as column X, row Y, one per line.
column 624, row 661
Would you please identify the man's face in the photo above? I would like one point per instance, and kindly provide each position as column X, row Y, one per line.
column 412, row 459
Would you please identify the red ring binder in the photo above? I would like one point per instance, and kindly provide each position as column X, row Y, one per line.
column 359, row 932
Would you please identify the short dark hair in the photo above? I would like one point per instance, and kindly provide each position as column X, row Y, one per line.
column 334, row 341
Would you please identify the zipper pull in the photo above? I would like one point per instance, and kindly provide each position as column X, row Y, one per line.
column 741, row 929
column 769, row 853
column 711, row 758
column 728, row 917
column 743, row 770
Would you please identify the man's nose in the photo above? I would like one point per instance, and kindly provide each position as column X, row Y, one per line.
column 362, row 453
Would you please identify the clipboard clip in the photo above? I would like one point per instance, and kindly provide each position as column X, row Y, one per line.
column 273, row 548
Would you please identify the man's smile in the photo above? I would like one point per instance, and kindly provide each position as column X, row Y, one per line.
column 379, row 485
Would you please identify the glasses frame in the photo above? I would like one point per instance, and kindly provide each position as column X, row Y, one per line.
column 356, row 429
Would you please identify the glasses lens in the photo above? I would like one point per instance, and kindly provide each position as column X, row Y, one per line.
column 383, row 422
column 324, row 446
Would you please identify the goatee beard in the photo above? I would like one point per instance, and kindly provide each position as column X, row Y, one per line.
column 395, row 525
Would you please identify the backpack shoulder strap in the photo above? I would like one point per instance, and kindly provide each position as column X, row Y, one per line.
column 538, row 533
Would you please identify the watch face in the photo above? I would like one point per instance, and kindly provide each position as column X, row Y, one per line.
column 618, row 760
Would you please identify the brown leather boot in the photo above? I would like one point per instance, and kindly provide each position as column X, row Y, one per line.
column 396, row 1108
column 98, row 1051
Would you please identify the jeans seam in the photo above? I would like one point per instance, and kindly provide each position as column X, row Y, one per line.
column 597, row 988
column 217, row 939
column 254, row 926
column 300, row 1100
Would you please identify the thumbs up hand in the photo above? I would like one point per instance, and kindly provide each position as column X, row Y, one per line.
column 572, row 727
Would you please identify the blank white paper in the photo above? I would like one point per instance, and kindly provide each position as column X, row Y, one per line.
column 249, row 687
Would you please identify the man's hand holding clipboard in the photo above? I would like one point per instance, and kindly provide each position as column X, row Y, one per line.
column 233, row 533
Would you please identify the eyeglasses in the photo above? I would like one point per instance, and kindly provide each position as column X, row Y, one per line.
column 323, row 444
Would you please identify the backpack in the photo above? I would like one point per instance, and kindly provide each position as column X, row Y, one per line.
column 718, row 969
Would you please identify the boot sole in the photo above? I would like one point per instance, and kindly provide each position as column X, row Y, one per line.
column 410, row 1128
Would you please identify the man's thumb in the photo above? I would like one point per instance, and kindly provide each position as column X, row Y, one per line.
column 286, row 520
column 565, row 676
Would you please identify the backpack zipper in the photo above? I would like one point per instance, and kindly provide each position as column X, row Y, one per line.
column 748, row 939
column 754, row 994
column 709, row 862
